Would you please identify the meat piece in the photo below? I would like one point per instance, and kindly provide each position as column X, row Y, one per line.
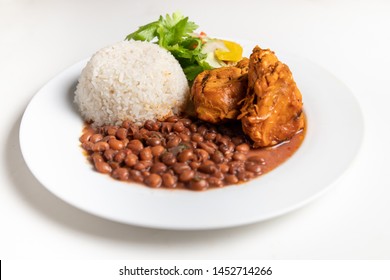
column 272, row 109
column 216, row 93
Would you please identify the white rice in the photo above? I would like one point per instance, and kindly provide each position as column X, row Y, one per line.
column 131, row 80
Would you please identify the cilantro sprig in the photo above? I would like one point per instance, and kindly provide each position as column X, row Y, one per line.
column 175, row 34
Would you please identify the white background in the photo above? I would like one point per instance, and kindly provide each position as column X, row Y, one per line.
column 351, row 39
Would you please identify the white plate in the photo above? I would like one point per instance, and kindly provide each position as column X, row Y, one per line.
column 51, row 127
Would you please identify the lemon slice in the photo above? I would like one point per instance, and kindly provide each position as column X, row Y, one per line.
column 234, row 52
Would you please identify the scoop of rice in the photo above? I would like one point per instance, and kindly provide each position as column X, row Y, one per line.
column 131, row 80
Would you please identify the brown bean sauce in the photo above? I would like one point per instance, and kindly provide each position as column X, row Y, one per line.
column 181, row 152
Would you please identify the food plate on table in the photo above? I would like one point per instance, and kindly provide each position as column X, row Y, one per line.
column 49, row 139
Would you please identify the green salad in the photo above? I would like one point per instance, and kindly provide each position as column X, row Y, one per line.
column 195, row 52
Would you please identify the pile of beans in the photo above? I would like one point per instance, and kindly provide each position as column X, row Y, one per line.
column 176, row 153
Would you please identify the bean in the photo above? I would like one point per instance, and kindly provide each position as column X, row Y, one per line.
column 156, row 126
column 87, row 146
column 157, row 150
column 201, row 176
column 239, row 156
column 149, row 124
column 223, row 140
column 166, row 127
column 243, row 148
column 126, row 124
column 217, row 157
column 96, row 157
column 145, row 173
column 107, row 138
column 146, row 154
column 168, row 158
column 115, row 144
column 202, row 130
column 186, row 155
column 199, row 185
column 158, row 167
column 100, row 147
column 208, row 146
column 184, row 137
column 178, row 127
column 158, row 123
column 180, row 167
column 194, row 165
column 231, row 179
column 211, row 144
column 231, row 146
column 245, row 175
column 218, row 174
column 197, row 137
column 140, row 166
column 121, row 174
column 131, row 160
column 187, row 175
column 186, row 122
column 202, row 155
column 207, row 168
column 238, row 140
column 137, row 136
column 215, row 182
column 120, row 156
column 187, row 131
column 193, row 127
column 153, row 180
column 173, row 142
column 121, row 133
column 127, row 151
column 103, row 167
column 235, row 167
column 111, row 130
column 193, row 144
column 96, row 138
column 147, row 163
column 109, row 154
column 253, row 167
column 135, row 145
column 172, row 119
column 249, row 175
column 136, row 176
column 168, row 180
column 210, row 136
column 153, row 141
column 208, row 162
column 228, row 157
column 144, row 133
column 132, row 129
column 241, row 175
column 86, row 136
column 223, row 167
column 157, row 134
column 114, row 165
column 226, row 149
column 257, row 159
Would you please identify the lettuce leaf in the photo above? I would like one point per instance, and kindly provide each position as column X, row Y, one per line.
column 175, row 34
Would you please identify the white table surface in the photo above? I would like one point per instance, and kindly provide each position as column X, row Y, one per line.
column 351, row 39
